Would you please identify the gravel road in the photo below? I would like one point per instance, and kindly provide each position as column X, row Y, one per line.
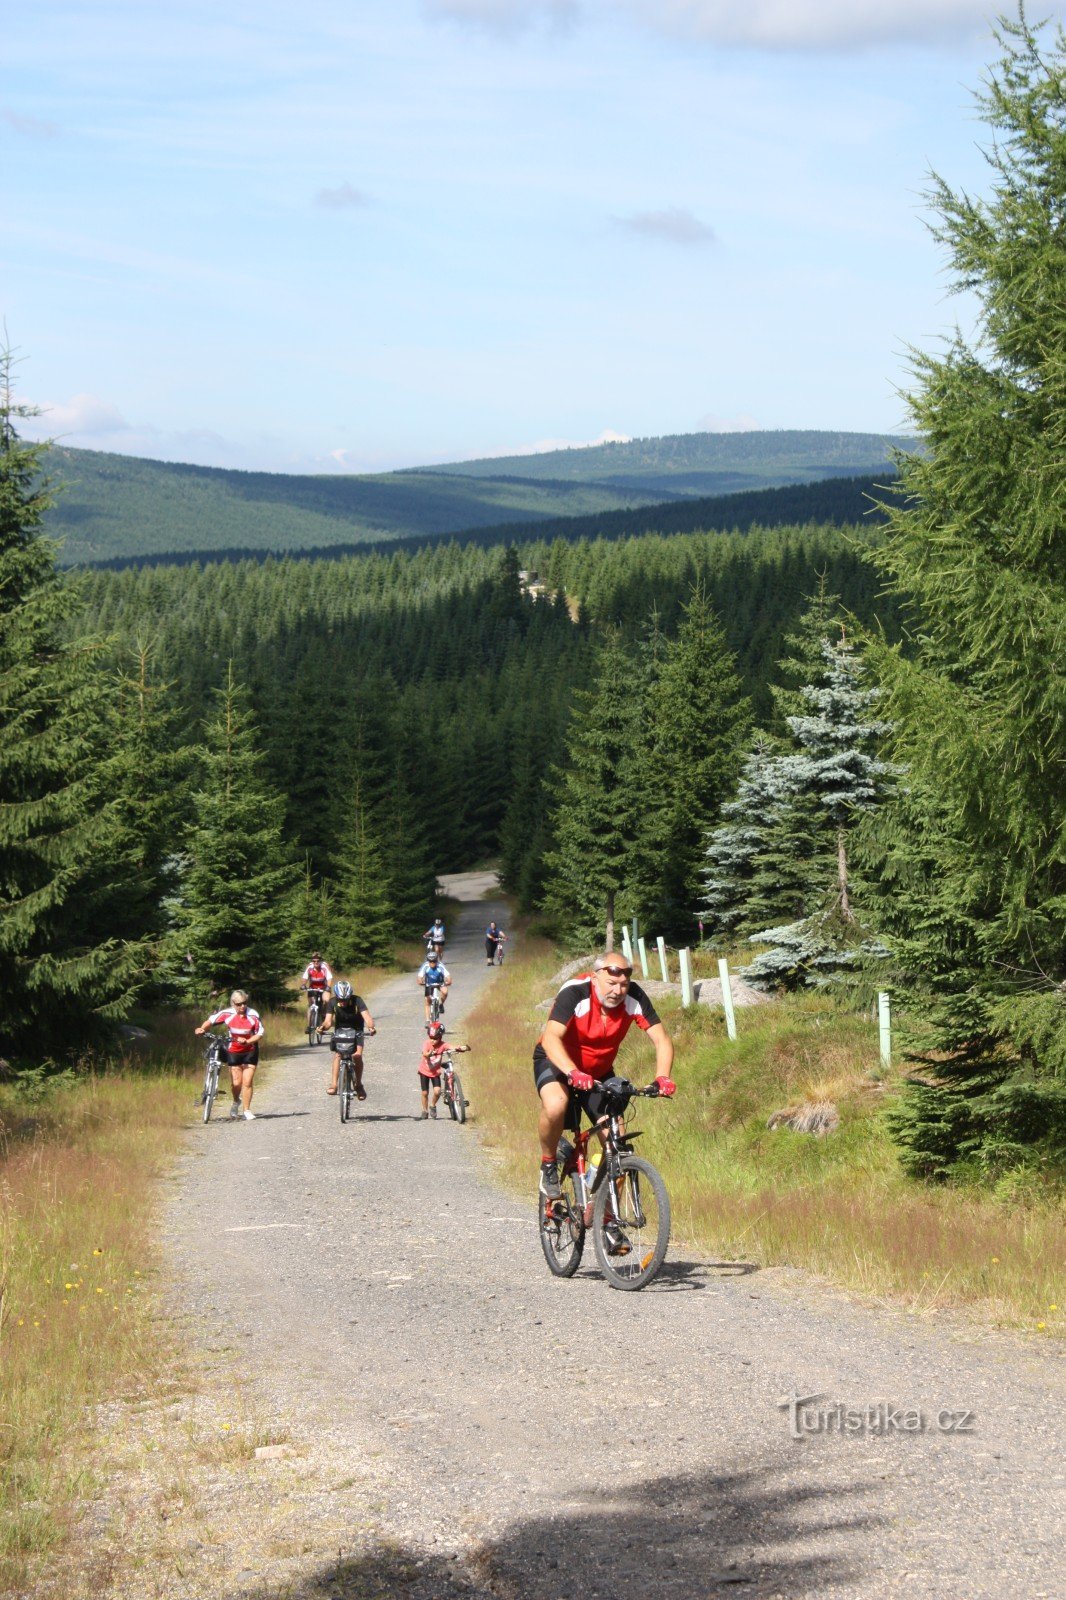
column 462, row 1423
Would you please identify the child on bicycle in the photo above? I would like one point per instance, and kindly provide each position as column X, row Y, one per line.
column 429, row 1066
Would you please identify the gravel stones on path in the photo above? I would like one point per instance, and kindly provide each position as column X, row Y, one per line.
column 462, row 1423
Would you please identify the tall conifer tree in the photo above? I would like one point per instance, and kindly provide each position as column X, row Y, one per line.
column 977, row 547
column 238, row 887
column 63, row 974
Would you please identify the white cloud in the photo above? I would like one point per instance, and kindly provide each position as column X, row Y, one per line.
column 742, row 424
column 818, row 24
column 32, row 127
column 343, row 198
column 676, row 224
column 83, row 414
column 505, row 16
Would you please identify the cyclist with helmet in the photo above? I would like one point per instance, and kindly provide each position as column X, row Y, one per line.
column 432, row 1059
column 434, row 935
column 317, row 979
column 433, row 974
column 245, row 1030
column 348, row 1010
column 589, row 1018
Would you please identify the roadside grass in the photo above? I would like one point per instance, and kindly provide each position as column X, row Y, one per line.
column 838, row 1205
column 80, row 1160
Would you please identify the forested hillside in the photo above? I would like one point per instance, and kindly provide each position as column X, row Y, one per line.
column 703, row 463
column 118, row 507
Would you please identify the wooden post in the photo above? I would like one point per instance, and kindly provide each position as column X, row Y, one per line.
column 685, row 957
column 627, row 948
column 661, row 943
column 727, row 998
column 884, row 1018
column 642, row 947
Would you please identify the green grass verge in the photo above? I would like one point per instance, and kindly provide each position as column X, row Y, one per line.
column 839, row 1205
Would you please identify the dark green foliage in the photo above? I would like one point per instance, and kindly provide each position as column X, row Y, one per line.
column 978, row 546
column 234, row 918
column 685, row 763
column 363, row 931
column 64, row 972
column 590, row 869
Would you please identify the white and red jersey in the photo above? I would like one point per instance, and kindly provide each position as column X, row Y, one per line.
column 242, row 1026
column 317, row 975
column 594, row 1032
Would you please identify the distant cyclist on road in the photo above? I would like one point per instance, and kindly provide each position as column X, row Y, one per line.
column 434, row 935
column 433, row 974
column 245, row 1030
column 348, row 1010
column 589, row 1018
column 494, row 937
column 317, row 979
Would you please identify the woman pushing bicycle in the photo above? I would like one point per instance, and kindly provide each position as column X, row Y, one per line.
column 242, row 1054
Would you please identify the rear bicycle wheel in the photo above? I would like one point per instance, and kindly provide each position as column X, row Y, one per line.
column 631, row 1224
column 561, row 1227
column 458, row 1099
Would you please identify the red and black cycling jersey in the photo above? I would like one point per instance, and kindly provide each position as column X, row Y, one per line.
column 594, row 1032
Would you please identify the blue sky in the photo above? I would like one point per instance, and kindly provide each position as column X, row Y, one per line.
column 343, row 235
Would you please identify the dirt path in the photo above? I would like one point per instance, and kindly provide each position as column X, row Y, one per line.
column 458, row 1422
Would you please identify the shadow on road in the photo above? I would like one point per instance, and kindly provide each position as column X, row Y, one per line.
column 671, row 1539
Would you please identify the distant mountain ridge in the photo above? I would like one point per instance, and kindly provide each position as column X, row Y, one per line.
column 122, row 507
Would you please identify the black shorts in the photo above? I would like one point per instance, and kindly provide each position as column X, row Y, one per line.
column 248, row 1058
column 591, row 1101
column 426, row 1083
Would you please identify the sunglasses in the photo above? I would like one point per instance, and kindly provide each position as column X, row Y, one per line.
column 618, row 972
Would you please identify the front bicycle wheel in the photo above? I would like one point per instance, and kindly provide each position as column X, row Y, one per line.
column 562, row 1229
column 458, row 1099
column 312, row 1026
column 631, row 1224
column 210, row 1086
column 345, row 1090
column 447, row 1093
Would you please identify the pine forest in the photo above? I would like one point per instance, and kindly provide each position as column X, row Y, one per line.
column 838, row 750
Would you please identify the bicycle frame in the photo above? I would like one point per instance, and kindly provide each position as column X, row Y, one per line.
column 616, row 1141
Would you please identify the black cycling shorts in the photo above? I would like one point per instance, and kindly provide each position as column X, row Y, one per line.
column 426, row 1083
column 248, row 1058
column 591, row 1101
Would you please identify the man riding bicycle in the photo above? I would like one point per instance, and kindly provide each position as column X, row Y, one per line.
column 317, row 979
column 433, row 974
column 589, row 1018
column 434, row 935
column 348, row 1010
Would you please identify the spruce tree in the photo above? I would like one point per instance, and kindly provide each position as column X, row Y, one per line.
column 364, row 930
column 977, row 550
column 835, row 776
column 590, row 867
column 238, row 888
column 685, row 763
column 64, row 974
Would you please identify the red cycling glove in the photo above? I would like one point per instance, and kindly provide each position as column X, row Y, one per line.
column 581, row 1080
column 665, row 1086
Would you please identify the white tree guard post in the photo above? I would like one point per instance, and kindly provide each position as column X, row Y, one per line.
column 634, row 935
column 642, row 947
column 627, row 948
column 727, row 998
column 661, row 945
column 884, row 1018
column 685, row 957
